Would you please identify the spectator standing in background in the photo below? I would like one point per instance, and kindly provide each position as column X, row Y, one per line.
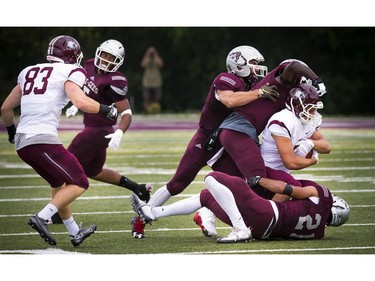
column 152, row 80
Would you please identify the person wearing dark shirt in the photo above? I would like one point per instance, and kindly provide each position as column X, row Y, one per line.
column 238, row 133
column 251, row 216
column 228, row 90
column 105, row 84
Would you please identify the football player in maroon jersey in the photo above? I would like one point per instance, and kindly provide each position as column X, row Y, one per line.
column 251, row 216
column 228, row 90
column 107, row 85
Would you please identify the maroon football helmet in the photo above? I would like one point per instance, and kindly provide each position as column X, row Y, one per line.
column 304, row 102
column 64, row 49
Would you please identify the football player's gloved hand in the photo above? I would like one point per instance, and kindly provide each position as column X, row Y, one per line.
column 110, row 111
column 115, row 141
column 112, row 114
column 71, row 111
column 303, row 147
column 268, row 92
column 319, row 86
column 315, row 155
column 253, row 182
column 212, row 141
column 11, row 133
column 144, row 191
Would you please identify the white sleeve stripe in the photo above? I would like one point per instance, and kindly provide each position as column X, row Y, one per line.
column 121, row 92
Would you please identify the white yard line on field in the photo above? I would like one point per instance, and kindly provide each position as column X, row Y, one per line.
column 128, row 196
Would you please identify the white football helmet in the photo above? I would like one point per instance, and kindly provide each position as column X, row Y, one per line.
column 340, row 211
column 291, row 60
column 116, row 49
column 240, row 61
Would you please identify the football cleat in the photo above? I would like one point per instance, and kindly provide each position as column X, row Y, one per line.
column 237, row 235
column 40, row 225
column 142, row 209
column 82, row 234
column 144, row 192
column 138, row 228
column 205, row 219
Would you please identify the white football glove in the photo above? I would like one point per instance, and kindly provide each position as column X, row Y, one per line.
column 115, row 141
column 71, row 111
column 315, row 154
column 320, row 87
column 303, row 147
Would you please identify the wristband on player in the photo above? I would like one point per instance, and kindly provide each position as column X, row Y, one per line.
column 127, row 111
column 288, row 189
column 104, row 109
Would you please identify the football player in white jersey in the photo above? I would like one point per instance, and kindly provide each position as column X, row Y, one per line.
column 42, row 91
column 292, row 139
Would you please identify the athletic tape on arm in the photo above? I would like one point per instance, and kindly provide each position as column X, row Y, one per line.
column 127, row 111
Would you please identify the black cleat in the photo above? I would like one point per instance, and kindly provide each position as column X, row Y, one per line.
column 144, row 191
column 40, row 225
column 82, row 234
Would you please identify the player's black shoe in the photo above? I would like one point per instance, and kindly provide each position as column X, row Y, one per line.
column 40, row 225
column 82, row 234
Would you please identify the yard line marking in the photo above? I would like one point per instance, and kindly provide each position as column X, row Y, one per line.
column 277, row 250
column 132, row 212
column 146, row 170
column 78, row 213
column 48, row 251
column 54, row 251
column 153, row 230
column 128, row 196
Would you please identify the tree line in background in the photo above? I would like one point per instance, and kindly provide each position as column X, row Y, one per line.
column 343, row 56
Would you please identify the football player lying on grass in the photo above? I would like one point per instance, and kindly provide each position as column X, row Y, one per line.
column 251, row 216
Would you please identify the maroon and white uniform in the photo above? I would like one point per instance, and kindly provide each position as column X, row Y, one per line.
column 240, row 131
column 213, row 114
column 37, row 143
column 283, row 124
column 90, row 145
column 296, row 219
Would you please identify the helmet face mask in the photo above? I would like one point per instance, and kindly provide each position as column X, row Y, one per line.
column 340, row 211
column 243, row 61
column 304, row 102
column 64, row 49
column 109, row 63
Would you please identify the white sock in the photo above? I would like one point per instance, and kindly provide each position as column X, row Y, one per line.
column 226, row 200
column 183, row 207
column 71, row 226
column 48, row 211
column 160, row 196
